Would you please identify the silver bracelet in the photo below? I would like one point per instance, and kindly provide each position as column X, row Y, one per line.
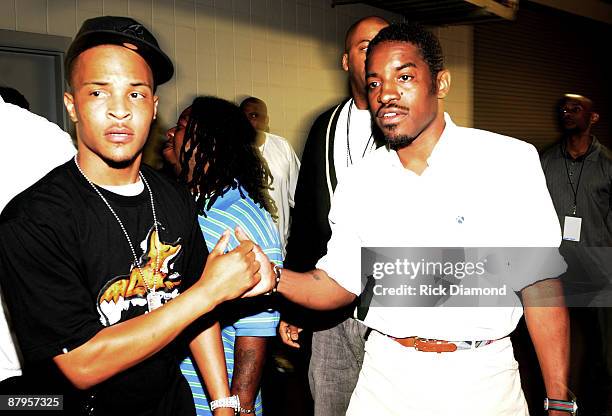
column 247, row 411
column 277, row 277
column 231, row 401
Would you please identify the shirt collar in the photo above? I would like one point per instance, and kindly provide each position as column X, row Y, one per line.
column 592, row 152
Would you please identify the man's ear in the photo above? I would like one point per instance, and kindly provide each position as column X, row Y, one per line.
column 155, row 102
column 444, row 82
column 345, row 62
column 69, row 104
column 594, row 117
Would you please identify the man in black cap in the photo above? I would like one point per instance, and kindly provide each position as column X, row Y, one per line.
column 92, row 254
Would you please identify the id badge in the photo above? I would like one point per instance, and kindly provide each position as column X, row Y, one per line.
column 571, row 228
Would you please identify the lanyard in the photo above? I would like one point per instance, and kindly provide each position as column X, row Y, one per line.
column 575, row 190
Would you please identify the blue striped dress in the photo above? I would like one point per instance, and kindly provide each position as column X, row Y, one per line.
column 229, row 211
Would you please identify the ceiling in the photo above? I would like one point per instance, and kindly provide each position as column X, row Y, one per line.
column 445, row 12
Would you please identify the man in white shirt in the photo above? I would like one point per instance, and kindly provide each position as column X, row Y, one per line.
column 439, row 185
column 282, row 161
column 35, row 147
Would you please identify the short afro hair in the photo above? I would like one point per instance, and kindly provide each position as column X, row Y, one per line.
column 426, row 42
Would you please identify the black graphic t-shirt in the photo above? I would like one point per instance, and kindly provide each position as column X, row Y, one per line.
column 67, row 272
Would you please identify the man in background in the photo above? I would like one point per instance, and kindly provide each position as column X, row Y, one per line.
column 339, row 138
column 578, row 171
column 282, row 161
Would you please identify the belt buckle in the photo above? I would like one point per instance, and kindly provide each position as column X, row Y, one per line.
column 433, row 345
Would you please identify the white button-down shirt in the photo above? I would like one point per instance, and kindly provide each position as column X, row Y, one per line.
column 480, row 189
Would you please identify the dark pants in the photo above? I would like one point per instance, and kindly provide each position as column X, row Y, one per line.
column 337, row 356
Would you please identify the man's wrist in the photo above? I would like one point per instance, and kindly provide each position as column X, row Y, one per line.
column 207, row 299
column 567, row 406
column 277, row 271
column 225, row 411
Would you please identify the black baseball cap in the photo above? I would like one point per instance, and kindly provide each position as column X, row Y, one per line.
column 122, row 31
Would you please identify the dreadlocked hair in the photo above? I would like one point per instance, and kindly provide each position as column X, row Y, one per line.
column 221, row 142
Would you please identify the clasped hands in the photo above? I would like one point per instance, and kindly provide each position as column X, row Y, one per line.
column 244, row 271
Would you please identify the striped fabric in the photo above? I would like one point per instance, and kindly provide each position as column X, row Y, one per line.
column 229, row 211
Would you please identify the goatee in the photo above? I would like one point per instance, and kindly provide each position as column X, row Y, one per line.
column 119, row 164
column 399, row 142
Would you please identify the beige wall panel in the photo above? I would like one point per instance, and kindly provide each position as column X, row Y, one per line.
column 62, row 19
column 457, row 45
column 260, row 72
column 8, row 19
column 241, row 6
column 29, row 17
column 115, row 7
column 226, row 90
column 90, row 5
column 185, row 13
column 223, row 5
column 186, row 74
column 259, row 8
column 163, row 11
column 242, row 45
column 207, row 86
column 141, row 10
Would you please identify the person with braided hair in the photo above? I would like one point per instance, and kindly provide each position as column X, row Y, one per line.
column 212, row 149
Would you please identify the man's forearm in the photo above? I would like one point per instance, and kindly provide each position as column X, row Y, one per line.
column 249, row 360
column 548, row 325
column 314, row 290
column 549, row 330
column 121, row 346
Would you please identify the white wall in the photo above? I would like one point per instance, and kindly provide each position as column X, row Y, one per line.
column 286, row 52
